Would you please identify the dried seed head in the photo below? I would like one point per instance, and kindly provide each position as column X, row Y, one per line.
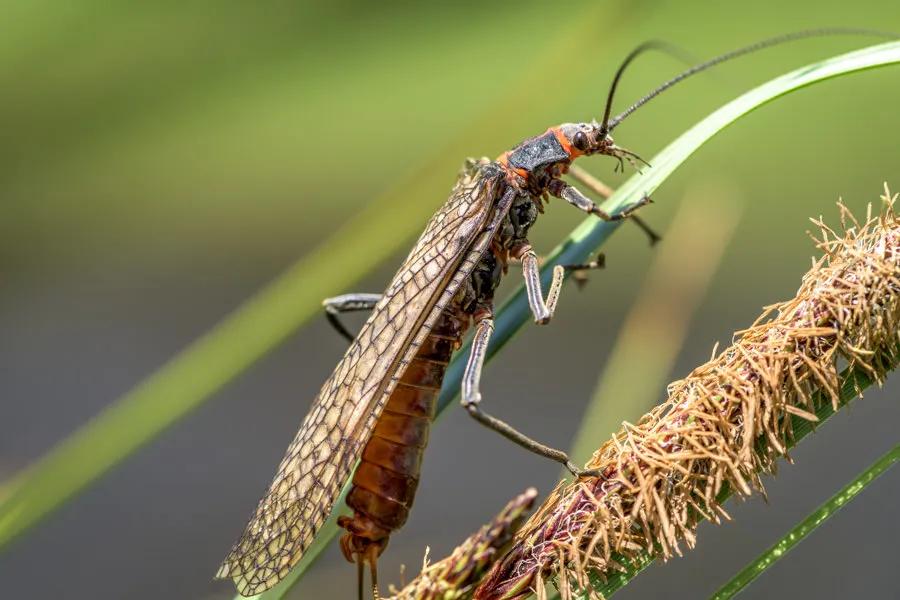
column 724, row 424
column 454, row 576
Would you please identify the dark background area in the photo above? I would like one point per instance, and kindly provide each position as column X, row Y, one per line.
column 160, row 163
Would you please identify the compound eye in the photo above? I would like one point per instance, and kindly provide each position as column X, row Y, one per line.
column 580, row 141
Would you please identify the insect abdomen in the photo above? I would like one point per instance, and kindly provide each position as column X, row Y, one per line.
column 384, row 484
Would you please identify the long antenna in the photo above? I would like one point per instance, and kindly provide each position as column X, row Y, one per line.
column 650, row 45
column 609, row 125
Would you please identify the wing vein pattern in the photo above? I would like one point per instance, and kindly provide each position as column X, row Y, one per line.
column 326, row 448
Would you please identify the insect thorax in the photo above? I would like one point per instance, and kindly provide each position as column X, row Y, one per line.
column 478, row 290
column 537, row 152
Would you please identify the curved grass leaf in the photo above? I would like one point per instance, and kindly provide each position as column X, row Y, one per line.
column 592, row 233
column 807, row 526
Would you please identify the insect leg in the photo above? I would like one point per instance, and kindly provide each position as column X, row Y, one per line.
column 471, row 399
column 347, row 303
column 601, row 189
column 579, row 271
column 597, row 263
column 576, row 198
column 541, row 309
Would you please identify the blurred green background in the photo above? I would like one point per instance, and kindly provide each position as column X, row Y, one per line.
column 159, row 162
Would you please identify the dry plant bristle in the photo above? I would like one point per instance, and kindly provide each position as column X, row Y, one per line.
column 724, row 424
column 455, row 576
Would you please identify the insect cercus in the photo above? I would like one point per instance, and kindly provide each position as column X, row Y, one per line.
column 377, row 406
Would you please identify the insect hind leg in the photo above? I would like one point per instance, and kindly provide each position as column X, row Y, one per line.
column 347, row 303
column 471, row 400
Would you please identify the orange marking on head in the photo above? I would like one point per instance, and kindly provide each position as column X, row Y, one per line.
column 571, row 150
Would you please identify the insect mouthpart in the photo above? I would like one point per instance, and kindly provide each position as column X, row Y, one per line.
column 623, row 155
column 604, row 142
column 593, row 138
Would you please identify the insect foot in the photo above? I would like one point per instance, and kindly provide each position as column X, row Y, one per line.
column 644, row 201
column 579, row 473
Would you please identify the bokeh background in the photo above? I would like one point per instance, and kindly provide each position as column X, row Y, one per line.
column 160, row 162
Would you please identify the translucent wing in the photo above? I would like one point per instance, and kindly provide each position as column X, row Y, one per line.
column 320, row 459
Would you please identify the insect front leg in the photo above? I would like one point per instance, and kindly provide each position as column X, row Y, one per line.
column 601, row 189
column 471, row 400
column 576, row 198
column 347, row 303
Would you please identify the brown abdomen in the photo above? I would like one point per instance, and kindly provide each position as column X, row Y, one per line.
column 385, row 481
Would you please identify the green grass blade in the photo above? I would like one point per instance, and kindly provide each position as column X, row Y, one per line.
column 592, row 233
column 807, row 526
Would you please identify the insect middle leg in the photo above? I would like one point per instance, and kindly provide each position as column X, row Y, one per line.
column 601, row 189
column 471, row 401
column 543, row 309
column 347, row 303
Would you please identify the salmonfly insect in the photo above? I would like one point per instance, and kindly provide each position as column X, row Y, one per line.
column 376, row 408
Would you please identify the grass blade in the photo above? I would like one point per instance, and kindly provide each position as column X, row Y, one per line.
column 807, row 526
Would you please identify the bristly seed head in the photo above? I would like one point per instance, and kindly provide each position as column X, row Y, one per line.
column 722, row 426
column 455, row 575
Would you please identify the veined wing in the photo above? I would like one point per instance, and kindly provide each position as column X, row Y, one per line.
column 320, row 459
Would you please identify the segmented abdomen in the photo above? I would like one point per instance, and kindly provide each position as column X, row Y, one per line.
column 385, row 481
